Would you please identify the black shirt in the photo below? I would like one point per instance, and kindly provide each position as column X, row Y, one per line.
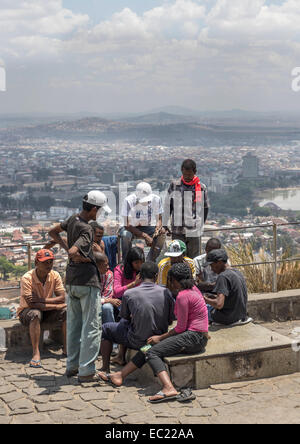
column 81, row 235
column 232, row 285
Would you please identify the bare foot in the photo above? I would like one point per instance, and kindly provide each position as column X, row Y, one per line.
column 166, row 394
column 114, row 378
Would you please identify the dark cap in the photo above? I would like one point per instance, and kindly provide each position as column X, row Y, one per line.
column 216, row 256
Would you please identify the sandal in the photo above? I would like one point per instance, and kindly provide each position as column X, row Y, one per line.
column 35, row 364
column 88, row 379
column 107, row 380
column 186, row 395
column 164, row 398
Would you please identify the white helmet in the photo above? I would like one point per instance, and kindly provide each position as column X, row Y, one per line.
column 98, row 199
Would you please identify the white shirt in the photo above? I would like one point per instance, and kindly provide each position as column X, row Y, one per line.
column 142, row 215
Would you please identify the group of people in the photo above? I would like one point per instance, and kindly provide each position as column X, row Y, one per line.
column 134, row 305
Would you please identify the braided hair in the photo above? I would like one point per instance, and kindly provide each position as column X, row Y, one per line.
column 182, row 273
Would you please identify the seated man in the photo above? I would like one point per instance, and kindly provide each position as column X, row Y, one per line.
column 206, row 278
column 146, row 310
column 142, row 212
column 109, row 303
column 175, row 254
column 37, row 302
column 230, row 304
column 98, row 236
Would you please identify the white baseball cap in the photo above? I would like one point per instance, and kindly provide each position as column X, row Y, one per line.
column 144, row 192
column 98, row 199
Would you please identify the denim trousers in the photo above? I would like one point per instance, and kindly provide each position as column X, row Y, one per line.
column 108, row 313
column 83, row 328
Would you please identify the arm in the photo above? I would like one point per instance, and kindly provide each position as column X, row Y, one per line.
column 54, row 233
column 156, row 339
column 217, row 303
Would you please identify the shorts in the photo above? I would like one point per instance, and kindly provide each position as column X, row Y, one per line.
column 117, row 332
column 28, row 315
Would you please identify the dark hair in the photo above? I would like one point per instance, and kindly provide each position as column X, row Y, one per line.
column 149, row 270
column 189, row 164
column 134, row 254
column 182, row 273
column 100, row 257
column 96, row 226
column 88, row 207
column 214, row 244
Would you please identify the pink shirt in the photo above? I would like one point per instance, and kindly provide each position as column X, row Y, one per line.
column 120, row 282
column 191, row 311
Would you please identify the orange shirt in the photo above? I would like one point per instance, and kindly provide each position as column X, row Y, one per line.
column 30, row 283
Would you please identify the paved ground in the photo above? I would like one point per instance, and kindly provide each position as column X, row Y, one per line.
column 47, row 396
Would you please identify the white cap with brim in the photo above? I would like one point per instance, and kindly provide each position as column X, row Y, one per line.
column 144, row 192
column 98, row 199
column 176, row 248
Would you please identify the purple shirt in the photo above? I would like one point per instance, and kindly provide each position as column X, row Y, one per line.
column 191, row 311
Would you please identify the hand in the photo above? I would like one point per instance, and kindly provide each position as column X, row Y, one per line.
column 158, row 231
column 153, row 340
column 76, row 258
column 59, row 306
column 34, row 299
column 138, row 280
column 115, row 302
column 149, row 240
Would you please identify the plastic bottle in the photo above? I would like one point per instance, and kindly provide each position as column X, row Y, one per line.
column 2, row 340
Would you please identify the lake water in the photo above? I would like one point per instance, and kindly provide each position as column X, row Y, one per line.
column 287, row 199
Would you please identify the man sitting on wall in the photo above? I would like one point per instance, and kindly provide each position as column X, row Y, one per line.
column 42, row 299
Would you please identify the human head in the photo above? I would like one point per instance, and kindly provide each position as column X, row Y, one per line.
column 213, row 244
column 98, row 231
column 188, row 169
column 149, row 270
column 44, row 260
column 217, row 259
column 102, row 262
column 133, row 262
column 180, row 277
column 176, row 251
column 144, row 192
column 93, row 202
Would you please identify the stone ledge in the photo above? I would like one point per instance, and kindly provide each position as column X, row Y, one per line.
column 268, row 307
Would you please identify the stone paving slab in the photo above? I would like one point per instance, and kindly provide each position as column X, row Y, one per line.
column 275, row 400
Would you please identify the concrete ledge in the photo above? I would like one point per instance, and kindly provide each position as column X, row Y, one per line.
column 233, row 354
column 17, row 336
column 268, row 307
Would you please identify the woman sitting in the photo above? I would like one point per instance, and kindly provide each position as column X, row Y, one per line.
column 189, row 336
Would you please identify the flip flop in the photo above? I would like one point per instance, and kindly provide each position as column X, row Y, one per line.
column 35, row 364
column 186, row 395
column 164, row 398
column 108, row 380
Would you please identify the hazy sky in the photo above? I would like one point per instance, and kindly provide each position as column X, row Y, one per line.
column 134, row 55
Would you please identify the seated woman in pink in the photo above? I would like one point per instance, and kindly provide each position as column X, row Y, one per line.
column 189, row 336
column 126, row 275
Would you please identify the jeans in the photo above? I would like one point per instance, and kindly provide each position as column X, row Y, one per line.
column 157, row 246
column 189, row 342
column 108, row 313
column 83, row 329
column 210, row 309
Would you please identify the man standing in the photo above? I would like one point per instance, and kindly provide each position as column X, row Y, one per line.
column 37, row 302
column 83, row 287
column 186, row 204
column 230, row 304
column 142, row 212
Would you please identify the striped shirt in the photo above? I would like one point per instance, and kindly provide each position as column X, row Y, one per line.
column 165, row 265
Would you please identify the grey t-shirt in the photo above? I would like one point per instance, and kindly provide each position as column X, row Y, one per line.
column 81, row 235
column 150, row 308
column 231, row 283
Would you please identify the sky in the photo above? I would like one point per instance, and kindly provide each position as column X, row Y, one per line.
column 100, row 56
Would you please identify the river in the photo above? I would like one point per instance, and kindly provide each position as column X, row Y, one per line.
column 286, row 199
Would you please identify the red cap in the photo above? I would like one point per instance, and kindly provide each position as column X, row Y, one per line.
column 44, row 255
